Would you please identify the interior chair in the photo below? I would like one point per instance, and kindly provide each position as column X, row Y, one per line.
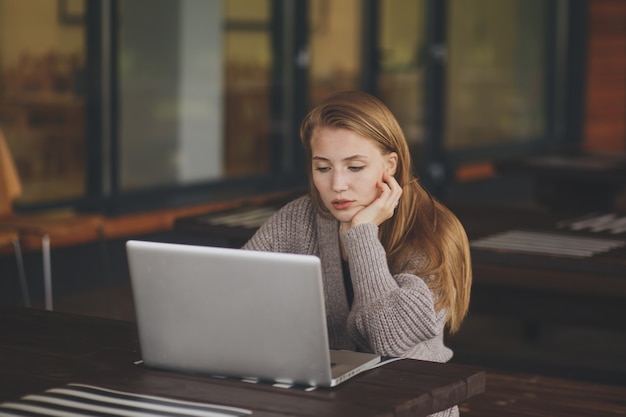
column 11, row 239
column 35, row 231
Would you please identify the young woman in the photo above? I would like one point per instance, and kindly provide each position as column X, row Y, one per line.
column 396, row 264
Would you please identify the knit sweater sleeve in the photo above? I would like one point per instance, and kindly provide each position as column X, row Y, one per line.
column 390, row 314
column 289, row 230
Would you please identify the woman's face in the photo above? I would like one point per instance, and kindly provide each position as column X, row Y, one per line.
column 346, row 169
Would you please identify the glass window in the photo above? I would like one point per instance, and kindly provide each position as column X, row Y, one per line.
column 334, row 42
column 194, row 91
column 401, row 79
column 170, row 93
column 496, row 73
column 247, row 70
column 42, row 105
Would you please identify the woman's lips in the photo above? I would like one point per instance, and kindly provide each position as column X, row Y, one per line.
column 341, row 204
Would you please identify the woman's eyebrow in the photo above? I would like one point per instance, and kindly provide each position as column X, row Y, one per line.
column 353, row 157
column 348, row 158
column 320, row 158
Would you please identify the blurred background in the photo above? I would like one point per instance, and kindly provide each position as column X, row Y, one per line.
column 116, row 106
column 124, row 109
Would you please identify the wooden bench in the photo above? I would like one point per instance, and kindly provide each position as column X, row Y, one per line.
column 519, row 395
column 549, row 287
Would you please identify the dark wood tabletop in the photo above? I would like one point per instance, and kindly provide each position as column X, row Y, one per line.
column 483, row 221
column 40, row 350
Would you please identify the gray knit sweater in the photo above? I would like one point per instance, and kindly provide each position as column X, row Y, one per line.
column 392, row 315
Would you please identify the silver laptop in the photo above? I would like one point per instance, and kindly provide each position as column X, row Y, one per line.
column 236, row 313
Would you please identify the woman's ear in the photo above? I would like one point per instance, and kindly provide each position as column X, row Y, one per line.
column 392, row 163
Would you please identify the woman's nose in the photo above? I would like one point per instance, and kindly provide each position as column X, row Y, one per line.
column 339, row 182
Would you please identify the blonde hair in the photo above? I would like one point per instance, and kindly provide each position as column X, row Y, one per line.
column 421, row 223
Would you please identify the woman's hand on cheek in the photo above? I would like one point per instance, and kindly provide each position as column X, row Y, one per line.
column 383, row 207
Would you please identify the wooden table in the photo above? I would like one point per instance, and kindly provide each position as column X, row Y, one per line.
column 542, row 287
column 40, row 350
column 481, row 221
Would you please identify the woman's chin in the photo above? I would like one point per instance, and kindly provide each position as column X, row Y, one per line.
column 342, row 215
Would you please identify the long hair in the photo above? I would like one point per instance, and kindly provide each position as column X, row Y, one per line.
column 421, row 223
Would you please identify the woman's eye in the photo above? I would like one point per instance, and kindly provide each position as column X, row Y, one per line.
column 355, row 168
column 322, row 169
